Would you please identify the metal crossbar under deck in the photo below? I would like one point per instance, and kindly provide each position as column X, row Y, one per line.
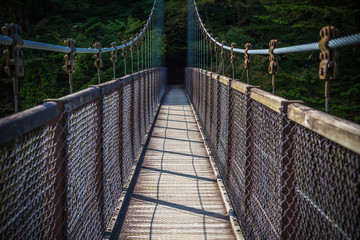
column 176, row 194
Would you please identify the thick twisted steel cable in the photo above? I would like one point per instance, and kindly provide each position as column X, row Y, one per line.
column 5, row 40
column 334, row 43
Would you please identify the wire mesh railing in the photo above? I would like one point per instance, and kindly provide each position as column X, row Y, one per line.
column 291, row 172
column 64, row 164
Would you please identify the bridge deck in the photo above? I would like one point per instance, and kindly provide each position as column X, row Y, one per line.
column 176, row 194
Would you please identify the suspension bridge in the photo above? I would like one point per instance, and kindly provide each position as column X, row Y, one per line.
column 136, row 158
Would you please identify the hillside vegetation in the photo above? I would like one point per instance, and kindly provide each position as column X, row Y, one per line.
column 239, row 21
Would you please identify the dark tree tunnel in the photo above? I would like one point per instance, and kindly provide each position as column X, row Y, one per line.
column 175, row 32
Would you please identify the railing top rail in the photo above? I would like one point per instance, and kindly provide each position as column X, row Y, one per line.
column 21, row 123
column 5, row 40
column 334, row 43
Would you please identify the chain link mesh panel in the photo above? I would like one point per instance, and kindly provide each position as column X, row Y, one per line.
column 147, row 96
column 238, row 175
column 63, row 179
column 127, row 144
column 83, row 208
column 222, row 128
column 215, row 115
column 136, row 116
column 208, row 101
column 142, row 98
column 284, row 180
column 28, row 185
column 112, row 178
column 263, row 191
column 326, row 187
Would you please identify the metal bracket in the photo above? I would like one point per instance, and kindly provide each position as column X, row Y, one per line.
column 232, row 57
column 14, row 57
column 274, row 62
column 69, row 66
column 131, row 46
column 98, row 56
column 137, row 41
column 215, row 45
column 98, row 61
column 124, row 50
column 222, row 49
column 327, row 67
column 247, row 59
column 13, row 53
column 114, row 53
column 142, row 36
column 274, row 59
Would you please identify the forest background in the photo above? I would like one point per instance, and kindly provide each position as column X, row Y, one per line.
column 239, row 21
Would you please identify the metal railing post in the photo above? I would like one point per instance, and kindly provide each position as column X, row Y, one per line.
column 60, row 166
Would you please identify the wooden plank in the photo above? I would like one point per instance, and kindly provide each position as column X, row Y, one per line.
column 23, row 122
column 240, row 86
column 225, row 80
column 267, row 99
column 341, row 131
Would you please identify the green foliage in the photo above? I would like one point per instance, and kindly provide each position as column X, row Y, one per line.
column 292, row 22
column 239, row 21
column 52, row 21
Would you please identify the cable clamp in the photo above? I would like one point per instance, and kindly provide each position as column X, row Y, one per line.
column 131, row 45
column 124, row 50
column 70, row 66
column 247, row 59
column 98, row 56
column 13, row 53
column 232, row 57
column 114, row 53
column 327, row 67
column 274, row 59
column 222, row 49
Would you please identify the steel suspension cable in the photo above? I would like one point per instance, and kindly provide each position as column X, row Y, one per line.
column 334, row 43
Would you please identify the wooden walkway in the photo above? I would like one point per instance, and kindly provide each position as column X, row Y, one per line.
column 176, row 194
